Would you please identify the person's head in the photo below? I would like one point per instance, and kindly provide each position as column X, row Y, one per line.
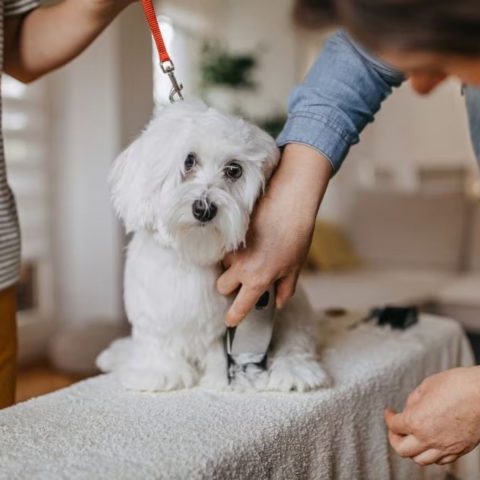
column 429, row 40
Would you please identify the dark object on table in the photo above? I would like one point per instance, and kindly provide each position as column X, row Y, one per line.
column 399, row 318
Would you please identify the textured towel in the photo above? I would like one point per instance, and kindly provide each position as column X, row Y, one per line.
column 97, row 430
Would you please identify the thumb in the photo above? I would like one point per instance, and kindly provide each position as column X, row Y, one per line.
column 285, row 289
column 388, row 414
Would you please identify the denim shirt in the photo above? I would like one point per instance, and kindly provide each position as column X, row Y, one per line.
column 341, row 94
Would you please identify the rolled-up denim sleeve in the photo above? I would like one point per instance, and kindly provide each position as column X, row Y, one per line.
column 338, row 98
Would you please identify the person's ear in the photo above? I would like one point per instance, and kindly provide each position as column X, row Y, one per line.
column 424, row 83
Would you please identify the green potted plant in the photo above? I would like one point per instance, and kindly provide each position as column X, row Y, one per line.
column 224, row 75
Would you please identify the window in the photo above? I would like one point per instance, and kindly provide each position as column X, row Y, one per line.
column 25, row 112
column 24, row 128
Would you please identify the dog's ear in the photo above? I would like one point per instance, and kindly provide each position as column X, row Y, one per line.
column 131, row 199
column 265, row 150
column 150, row 165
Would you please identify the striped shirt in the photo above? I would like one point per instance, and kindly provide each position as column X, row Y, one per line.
column 9, row 229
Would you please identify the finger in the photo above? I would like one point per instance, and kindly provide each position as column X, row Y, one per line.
column 428, row 457
column 228, row 282
column 228, row 259
column 241, row 306
column 388, row 413
column 394, row 439
column 406, row 446
column 285, row 289
column 396, row 422
column 447, row 459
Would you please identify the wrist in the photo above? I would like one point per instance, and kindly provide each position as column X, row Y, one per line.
column 298, row 156
column 303, row 175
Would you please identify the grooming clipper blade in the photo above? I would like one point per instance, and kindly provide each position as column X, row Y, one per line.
column 248, row 343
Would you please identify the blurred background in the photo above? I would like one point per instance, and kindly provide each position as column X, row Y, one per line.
column 400, row 223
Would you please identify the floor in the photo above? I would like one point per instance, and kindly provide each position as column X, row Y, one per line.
column 39, row 379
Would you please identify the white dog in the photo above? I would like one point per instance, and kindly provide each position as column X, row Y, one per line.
column 186, row 188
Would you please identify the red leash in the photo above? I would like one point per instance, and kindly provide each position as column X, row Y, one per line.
column 166, row 62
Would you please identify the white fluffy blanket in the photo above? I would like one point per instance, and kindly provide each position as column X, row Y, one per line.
column 97, row 430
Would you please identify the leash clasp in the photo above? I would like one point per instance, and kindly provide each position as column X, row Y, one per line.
column 169, row 69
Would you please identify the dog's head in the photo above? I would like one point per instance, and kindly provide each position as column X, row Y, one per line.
column 192, row 178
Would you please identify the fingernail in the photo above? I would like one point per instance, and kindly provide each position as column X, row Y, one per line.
column 229, row 322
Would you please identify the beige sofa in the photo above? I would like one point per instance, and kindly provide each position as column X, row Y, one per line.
column 460, row 298
column 421, row 248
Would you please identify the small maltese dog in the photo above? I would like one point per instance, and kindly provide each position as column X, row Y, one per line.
column 186, row 188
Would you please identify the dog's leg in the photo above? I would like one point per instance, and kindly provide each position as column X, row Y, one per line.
column 214, row 366
column 294, row 364
column 152, row 367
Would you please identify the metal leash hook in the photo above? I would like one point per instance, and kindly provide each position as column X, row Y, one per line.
column 176, row 91
column 166, row 63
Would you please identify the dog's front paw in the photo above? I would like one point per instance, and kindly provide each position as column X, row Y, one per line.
column 215, row 380
column 115, row 355
column 157, row 380
column 297, row 373
column 249, row 378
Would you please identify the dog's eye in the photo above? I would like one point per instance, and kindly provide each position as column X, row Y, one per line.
column 190, row 161
column 233, row 171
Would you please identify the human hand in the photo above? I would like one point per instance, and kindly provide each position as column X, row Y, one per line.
column 441, row 419
column 280, row 233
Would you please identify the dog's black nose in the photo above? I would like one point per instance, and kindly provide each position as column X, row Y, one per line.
column 204, row 210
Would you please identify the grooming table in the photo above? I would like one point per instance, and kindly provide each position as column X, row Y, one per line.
column 97, row 430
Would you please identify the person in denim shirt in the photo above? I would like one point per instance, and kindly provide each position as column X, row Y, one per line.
column 426, row 41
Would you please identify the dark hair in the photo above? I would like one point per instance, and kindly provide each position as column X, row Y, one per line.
column 442, row 26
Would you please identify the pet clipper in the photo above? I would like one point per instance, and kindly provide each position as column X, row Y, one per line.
column 248, row 343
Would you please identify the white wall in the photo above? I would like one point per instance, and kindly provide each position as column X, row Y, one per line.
column 265, row 27
column 422, row 131
column 409, row 132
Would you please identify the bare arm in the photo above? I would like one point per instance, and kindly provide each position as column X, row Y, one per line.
column 50, row 36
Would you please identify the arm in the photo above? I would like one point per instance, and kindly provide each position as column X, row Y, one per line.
column 48, row 37
column 280, row 233
column 339, row 96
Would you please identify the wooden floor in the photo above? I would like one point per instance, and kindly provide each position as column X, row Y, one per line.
column 40, row 378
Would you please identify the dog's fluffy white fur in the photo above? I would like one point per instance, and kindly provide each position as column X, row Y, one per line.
column 185, row 155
